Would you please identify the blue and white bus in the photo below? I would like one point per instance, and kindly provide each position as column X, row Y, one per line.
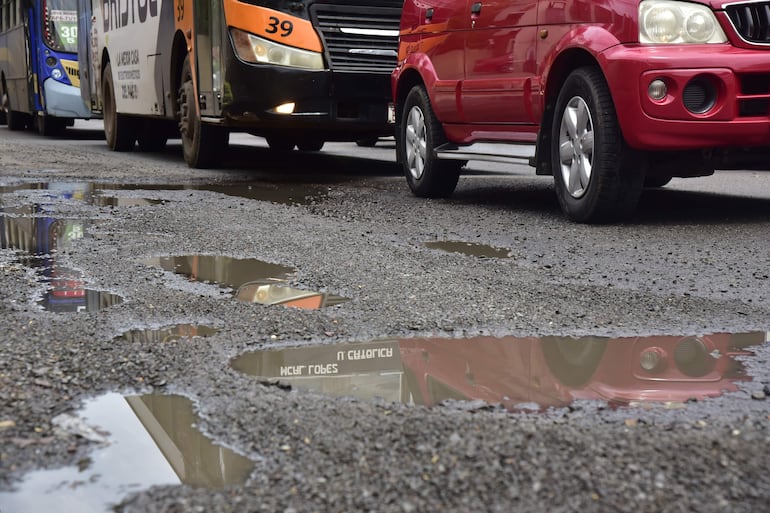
column 39, row 76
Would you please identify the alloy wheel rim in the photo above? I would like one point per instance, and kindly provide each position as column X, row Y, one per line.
column 416, row 142
column 576, row 147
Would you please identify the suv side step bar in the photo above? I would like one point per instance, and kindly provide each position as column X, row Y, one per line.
column 490, row 152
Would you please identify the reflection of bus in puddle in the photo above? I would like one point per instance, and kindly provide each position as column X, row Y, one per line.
column 44, row 240
column 272, row 292
column 146, row 440
column 516, row 372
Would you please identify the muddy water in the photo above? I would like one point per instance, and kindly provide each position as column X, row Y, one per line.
column 470, row 249
column 166, row 333
column 144, row 440
column 517, row 373
column 252, row 280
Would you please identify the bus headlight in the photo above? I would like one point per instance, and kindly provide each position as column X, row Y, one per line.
column 672, row 22
column 251, row 48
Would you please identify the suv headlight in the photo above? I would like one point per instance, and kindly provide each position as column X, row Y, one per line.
column 251, row 48
column 671, row 22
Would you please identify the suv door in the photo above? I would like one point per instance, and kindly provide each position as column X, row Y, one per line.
column 444, row 25
column 500, row 61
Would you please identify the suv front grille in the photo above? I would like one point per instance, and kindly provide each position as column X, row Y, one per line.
column 358, row 38
column 751, row 21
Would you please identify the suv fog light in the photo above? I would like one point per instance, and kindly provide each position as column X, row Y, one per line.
column 652, row 360
column 657, row 89
column 699, row 96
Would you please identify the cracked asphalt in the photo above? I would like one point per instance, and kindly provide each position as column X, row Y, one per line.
column 692, row 262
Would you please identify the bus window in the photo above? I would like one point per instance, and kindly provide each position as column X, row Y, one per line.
column 39, row 65
column 60, row 25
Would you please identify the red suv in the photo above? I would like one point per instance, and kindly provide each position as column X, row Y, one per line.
column 615, row 95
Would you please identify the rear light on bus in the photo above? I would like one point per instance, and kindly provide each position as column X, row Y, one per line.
column 254, row 49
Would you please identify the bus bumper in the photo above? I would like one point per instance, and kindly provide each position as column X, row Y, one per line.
column 64, row 101
column 335, row 106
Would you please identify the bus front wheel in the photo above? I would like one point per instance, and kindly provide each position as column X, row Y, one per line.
column 202, row 144
column 119, row 129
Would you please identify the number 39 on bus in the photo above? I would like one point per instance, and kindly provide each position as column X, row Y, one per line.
column 297, row 73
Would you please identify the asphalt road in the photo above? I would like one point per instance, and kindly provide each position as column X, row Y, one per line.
column 478, row 353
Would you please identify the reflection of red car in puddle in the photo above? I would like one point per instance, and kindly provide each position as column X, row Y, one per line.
column 554, row 371
column 515, row 372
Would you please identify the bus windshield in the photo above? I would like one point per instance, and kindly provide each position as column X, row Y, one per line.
column 60, row 25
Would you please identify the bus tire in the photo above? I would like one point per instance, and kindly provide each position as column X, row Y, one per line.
column 3, row 103
column 16, row 120
column 203, row 145
column 597, row 177
column 119, row 130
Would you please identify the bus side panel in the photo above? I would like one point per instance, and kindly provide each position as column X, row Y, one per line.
column 13, row 64
column 134, row 42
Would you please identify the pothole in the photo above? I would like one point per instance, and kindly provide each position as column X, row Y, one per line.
column 145, row 440
column 166, row 334
column 250, row 279
column 516, row 373
column 42, row 243
column 469, row 248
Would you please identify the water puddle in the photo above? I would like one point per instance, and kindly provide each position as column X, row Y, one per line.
column 99, row 193
column 251, row 280
column 470, row 249
column 166, row 334
column 42, row 241
column 268, row 293
column 517, row 373
column 145, row 440
column 119, row 201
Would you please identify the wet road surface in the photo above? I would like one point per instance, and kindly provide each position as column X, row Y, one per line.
column 297, row 333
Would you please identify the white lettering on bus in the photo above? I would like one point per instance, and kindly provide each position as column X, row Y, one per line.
column 127, row 58
column 119, row 13
column 370, row 354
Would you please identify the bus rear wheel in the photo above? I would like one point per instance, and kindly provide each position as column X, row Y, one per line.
column 119, row 130
column 3, row 117
column 16, row 120
column 203, row 145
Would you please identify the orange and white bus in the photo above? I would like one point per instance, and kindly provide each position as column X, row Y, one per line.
column 298, row 73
